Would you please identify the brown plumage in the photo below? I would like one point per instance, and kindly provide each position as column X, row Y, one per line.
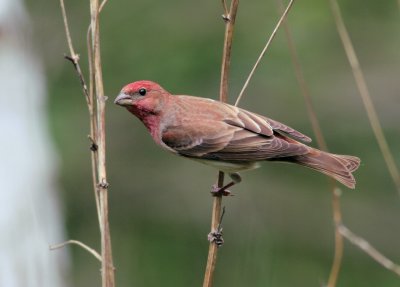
column 226, row 137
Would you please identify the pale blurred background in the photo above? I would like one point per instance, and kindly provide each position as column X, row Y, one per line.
column 31, row 216
column 278, row 227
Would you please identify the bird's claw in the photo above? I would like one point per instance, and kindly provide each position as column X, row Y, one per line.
column 216, row 237
column 217, row 191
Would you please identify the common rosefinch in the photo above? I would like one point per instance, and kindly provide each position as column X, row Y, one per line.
column 228, row 138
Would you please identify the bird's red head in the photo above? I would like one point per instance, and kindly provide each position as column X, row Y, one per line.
column 141, row 88
column 144, row 99
column 143, row 95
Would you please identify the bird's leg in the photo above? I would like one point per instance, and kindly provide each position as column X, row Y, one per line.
column 215, row 190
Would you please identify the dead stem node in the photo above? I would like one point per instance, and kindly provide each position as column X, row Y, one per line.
column 216, row 235
column 226, row 18
column 73, row 58
column 338, row 192
column 93, row 145
column 220, row 191
column 103, row 184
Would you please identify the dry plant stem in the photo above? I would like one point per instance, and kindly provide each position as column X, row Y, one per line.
column 364, row 93
column 93, row 122
column 217, row 202
column 107, row 270
column 369, row 249
column 84, row 246
column 337, row 216
column 226, row 57
column 303, row 87
column 339, row 246
column 225, row 7
column 263, row 51
column 74, row 58
column 213, row 247
column 97, row 135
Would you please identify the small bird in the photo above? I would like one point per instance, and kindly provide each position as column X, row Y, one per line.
column 226, row 137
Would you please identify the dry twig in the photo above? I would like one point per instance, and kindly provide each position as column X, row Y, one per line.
column 217, row 203
column 336, row 210
column 74, row 58
column 339, row 244
column 364, row 93
column 369, row 249
column 263, row 51
column 96, row 104
column 81, row 244
column 107, row 270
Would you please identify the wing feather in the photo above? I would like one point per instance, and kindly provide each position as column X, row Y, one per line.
column 223, row 132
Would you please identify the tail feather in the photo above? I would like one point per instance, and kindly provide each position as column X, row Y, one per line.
column 339, row 167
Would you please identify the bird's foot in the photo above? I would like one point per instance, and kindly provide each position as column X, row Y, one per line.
column 218, row 191
column 216, row 237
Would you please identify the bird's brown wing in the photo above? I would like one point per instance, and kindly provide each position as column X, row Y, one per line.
column 226, row 141
column 209, row 129
column 262, row 123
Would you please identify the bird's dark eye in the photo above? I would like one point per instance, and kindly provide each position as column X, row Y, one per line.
column 142, row 91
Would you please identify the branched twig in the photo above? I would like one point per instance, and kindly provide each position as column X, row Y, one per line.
column 74, row 58
column 339, row 246
column 264, row 51
column 229, row 19
column 305, row 91
column 365, row 95
column 213, row 246
column 84, row 246
column 107, row 270
column 336, row 210
column 96, row 104
column 225, row 7
column 369, row 249
column 226, row 57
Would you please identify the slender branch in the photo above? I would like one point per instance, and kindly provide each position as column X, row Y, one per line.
column 336, row 210
column 74, row 58
column 84, row 246
column 97, row 134
column 305, row 91
column 93, row 121
column 339, row 244
column 369, row 249
column 226, row 57
column 263, row 52
column 103, row 3
column 365, row 95
column 88, row 93
column 225, row 7
column 217, row 202
column 213, row 246
column 107, row 270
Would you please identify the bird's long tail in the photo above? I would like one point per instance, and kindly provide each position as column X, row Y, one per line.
column 339, row 167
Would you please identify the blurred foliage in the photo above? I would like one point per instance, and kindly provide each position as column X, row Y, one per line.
column 278, row 226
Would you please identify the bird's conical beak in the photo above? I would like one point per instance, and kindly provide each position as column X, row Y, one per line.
column 123, row 100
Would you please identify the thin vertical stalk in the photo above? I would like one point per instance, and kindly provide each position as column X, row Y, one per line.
column 88, row 93
column 336, row 210
column 213, row 247
column 338, row 254
column 107, row 270
column 217, row 202
column 364, row 94
column 226, row 57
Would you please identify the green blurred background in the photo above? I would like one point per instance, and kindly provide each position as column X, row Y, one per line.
column 278, row 227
